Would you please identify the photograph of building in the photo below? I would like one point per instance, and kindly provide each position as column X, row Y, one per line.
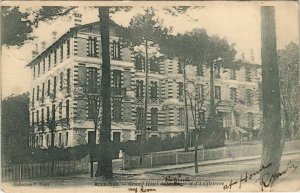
column 66, row 75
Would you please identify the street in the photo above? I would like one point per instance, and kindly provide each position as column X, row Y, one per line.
column 211, row 177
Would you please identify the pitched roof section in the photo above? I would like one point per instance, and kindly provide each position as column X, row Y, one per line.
column 66, row 36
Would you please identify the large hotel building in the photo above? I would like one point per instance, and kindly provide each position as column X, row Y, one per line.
column 68, row 72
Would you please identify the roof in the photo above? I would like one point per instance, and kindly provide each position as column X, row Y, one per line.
column 65, row 36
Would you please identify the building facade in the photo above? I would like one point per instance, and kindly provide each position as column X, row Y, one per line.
column 66, row 79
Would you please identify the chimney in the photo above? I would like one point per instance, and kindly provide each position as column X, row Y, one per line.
column 35, row 52
column 77, row 19
column 43, row 46
column 54, row 35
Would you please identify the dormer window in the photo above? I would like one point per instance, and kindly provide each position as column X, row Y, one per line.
column 116, row 50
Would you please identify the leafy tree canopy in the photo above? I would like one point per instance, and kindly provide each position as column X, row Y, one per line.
column 197, row 47
column 145, row 27
column 17, row 25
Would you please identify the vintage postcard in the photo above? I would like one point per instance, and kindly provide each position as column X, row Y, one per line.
column 136, row 96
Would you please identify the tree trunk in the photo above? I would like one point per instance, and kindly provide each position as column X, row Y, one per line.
column 144, row 128
column 196, row 151
column 270, row 95
column 186, row 144
column 212, row 109
column 105, row 163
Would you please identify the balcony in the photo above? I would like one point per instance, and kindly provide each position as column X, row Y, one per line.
column 118, row 92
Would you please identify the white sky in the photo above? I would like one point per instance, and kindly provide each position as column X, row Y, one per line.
column 238, row 22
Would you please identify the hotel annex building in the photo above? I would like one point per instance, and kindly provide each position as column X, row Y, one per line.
column 72, row 63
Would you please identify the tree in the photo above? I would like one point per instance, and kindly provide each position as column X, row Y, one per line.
column 14, row 125
column 17, row 26
column 145, row 30
column 288, row 62
column 272, row 151
column 196, row 98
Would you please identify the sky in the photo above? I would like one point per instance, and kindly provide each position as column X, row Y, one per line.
column 239, row 23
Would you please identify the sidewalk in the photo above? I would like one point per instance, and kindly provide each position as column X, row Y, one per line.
column 139, row 171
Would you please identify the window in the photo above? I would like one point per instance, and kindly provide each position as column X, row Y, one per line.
column 54, row 87
column 200, row 70
column 180, row 89
column 181, row 116
column 116, row 136
column 48, row 115
column 237, row 119
column 91, row 108
column 43, row 91
column 32, row 119
column 43, row 118
column 61, row 53
column 154, row 119
column 116, row 50
column 44, row 65
column 55, row 56
column 67, row 111
column 201, row 117
column 33, row 72
column 39, row 69
column 153, row 90
column 250, row 120
column 32, row 100
column 61, row 81
column 92, row 81
column 117, row 109
column 49, row 86
column 38, row 93
column 92, row 43
column 180, row 67
column 59, row 139
column 60, row 111
column 232, row 74
column 37, row 118
column 154, row 64
column 68, row 48
column 249, row 94
column 68, row 80
column 117, row 82
column 53, row 114
column 248, row 74
column 67, row 138
column 139, row 62
column 47, row 140
column 139, row 89
column 49, row 61
column 201, row 95
column 139, row 117
column 233, row 94
column 218, row 92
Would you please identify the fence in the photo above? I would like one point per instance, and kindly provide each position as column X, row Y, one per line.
column 34, row 170
column 171, row 158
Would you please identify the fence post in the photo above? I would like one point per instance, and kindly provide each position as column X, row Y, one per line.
column 176, row 158
column 224, row 151
column 151, row 159
column 203, row 154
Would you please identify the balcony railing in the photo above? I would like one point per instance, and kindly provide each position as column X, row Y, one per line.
column 118, row 92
